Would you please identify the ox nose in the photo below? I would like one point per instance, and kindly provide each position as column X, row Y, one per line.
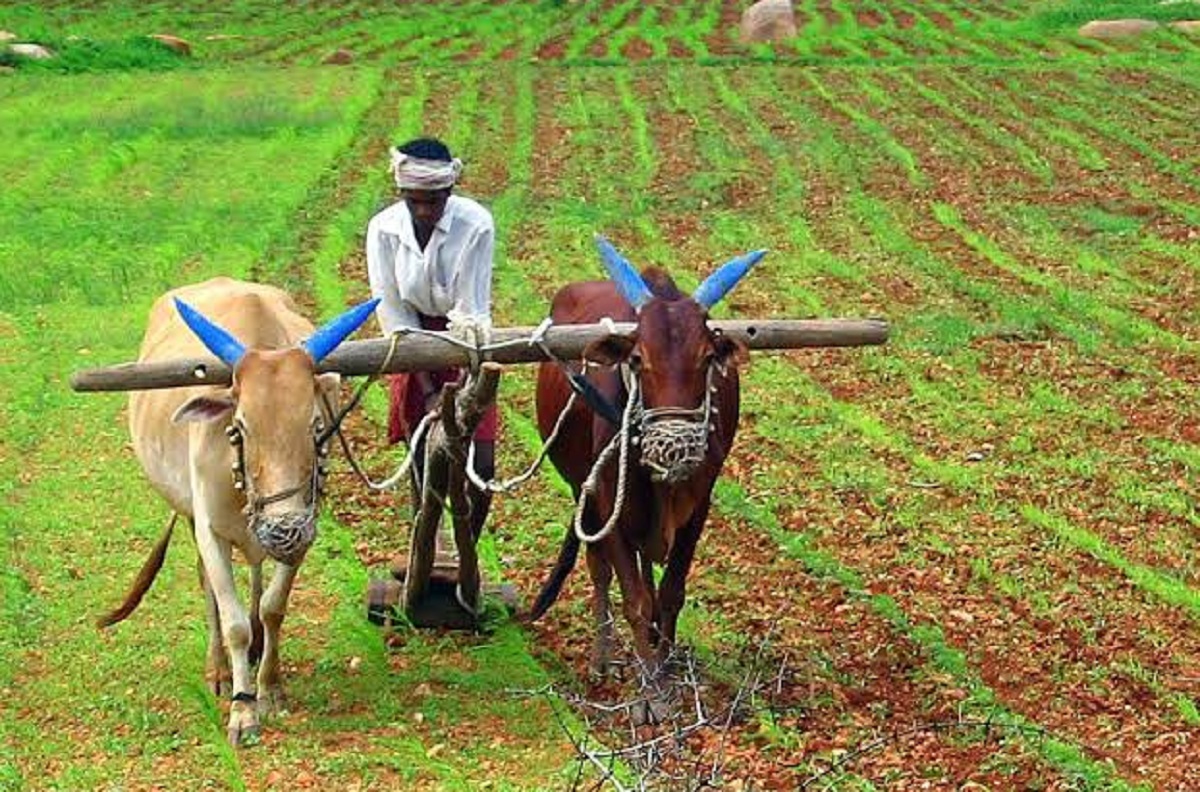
column 672, row 449
column 286, row 537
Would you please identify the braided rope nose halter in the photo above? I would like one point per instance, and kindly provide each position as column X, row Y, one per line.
column 674, row 440
column 285, row 537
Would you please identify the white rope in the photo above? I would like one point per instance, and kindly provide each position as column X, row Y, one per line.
column 391, row 481
column 473, row 347
column 621, row 440
column 494, row 485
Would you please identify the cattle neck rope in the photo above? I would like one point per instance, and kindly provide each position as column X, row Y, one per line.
column 620, row 441
column 579, row 382
column 405, row 466
column 511, row 484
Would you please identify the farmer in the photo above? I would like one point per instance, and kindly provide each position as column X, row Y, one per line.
column 429, row 259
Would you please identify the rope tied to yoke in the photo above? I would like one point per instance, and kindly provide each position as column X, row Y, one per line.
column 476, row 349
column 407, row 463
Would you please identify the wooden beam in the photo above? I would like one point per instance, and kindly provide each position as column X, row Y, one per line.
column 422, row 352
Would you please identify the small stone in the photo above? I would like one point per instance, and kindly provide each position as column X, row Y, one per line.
column 339, row 57
column 8, row 35
column 355, row 664
column 423, row 689
column 769, row 20
column 1116, row 28
column 172, row 43
column 418, row 718
column 31, row 51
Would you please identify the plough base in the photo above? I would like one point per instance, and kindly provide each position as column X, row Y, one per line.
column 439, row 608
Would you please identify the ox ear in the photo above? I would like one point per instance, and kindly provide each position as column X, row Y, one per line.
column 610, row 350
column 328, row 385
column 729, row 350
column 327, row 338
column 718, row 284
column 208, row 407
column 628, row 280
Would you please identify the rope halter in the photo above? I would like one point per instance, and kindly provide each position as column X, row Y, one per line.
column 285, row 537
column 674, row 440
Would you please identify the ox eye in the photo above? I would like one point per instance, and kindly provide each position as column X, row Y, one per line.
column 635, row 361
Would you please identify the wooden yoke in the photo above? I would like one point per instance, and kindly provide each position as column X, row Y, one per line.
column 446, row 445
column 422, row 352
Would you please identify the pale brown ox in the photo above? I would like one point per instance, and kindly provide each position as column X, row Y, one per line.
column 268, row 427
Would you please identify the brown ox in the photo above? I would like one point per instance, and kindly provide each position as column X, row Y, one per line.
column 269, row 428
column 682, row 421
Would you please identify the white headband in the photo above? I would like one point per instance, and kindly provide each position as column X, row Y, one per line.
column 414, row 173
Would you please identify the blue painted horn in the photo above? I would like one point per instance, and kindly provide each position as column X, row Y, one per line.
column 720, row 283
column 629, row 280
column 218, row 340
column 329, row 335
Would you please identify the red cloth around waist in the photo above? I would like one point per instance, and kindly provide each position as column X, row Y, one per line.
column 407, row 403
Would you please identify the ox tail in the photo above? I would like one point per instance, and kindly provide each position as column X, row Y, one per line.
column 145, row 577
column 553, row 585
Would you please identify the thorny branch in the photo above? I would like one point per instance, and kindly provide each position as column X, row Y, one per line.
column 656, row 756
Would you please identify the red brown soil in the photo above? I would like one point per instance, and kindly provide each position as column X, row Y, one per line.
column 677, row 49
column 869, row 18
column 724, row 40
column 553, row 49
column 941, row 20
column 637, row 49
column 834, row 376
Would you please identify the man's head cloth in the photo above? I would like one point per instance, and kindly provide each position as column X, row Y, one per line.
column 425, row 164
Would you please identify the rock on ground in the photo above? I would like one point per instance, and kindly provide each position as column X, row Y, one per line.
column 1187, row 25
column 769, row 20
column 33, row 51
column 1116, row 28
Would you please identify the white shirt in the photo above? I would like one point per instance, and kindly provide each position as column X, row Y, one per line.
column 452, row 274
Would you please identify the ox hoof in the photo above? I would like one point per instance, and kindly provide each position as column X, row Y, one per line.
column 650, row 711
column 272, row 701
column 599, row 669
column 244, row 736
column 243, row 729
